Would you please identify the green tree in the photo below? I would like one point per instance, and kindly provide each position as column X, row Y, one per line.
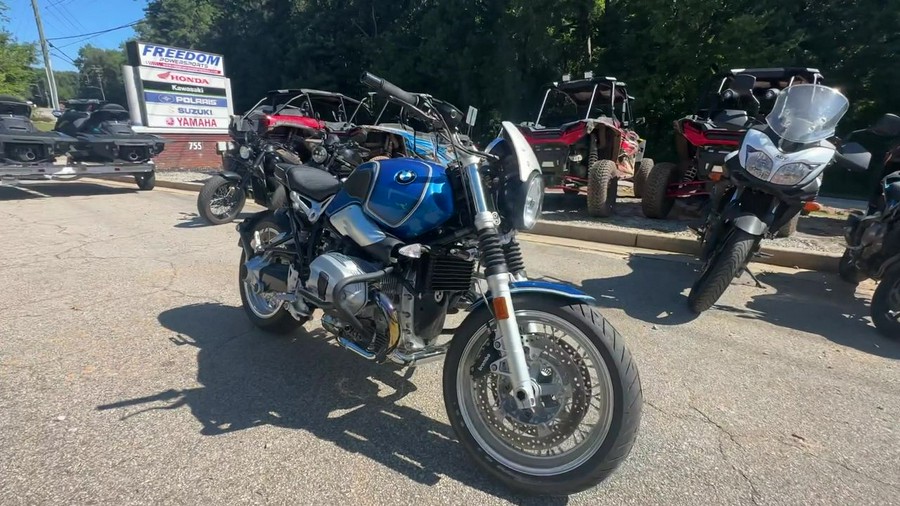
column 15, row 60
column 182, row 23
column 101, row 68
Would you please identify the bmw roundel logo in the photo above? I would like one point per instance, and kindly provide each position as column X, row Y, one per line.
column 405, row 177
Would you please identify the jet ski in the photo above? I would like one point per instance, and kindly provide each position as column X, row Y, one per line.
column 21, row 142
column 103, row 133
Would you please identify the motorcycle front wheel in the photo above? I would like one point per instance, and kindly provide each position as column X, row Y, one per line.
column 220, row 200
column 721, row 268
column 589, row 405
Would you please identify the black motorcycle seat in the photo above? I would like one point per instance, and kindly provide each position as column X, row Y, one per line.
column 312, row 182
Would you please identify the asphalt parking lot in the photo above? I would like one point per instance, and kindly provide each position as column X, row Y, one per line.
column 129, row 375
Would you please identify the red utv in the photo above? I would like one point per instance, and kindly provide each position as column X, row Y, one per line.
column 584, row 140
column 733, row 102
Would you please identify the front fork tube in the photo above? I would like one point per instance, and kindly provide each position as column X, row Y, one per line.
column 498, row 279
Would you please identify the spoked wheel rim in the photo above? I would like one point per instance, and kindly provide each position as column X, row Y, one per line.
column 575, row 404
column 224, row 200
column 261, row 304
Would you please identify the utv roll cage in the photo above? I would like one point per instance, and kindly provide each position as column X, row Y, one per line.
column 590, row 91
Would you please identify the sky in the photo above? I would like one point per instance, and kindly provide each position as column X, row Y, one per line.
column 64, row 18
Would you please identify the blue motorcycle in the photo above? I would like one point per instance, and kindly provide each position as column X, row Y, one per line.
column 539, row 388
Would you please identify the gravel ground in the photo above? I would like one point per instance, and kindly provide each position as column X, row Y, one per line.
column 817, row 232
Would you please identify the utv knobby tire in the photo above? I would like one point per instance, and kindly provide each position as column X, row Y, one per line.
column 627, row 392
column 641, row 173
column 850, row 272
column 789, row 228
column 723, row 267
column 204, row 199
column 602, row 188
column 655, row 202
column 145, row 182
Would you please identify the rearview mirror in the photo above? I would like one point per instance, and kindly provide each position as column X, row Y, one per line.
column 852, row 156
column 887, row 126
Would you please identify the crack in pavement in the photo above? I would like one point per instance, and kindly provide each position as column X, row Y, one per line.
column 754, row 492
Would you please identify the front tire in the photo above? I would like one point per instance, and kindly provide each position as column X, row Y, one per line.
column 479, row 418
column 602, row 188
column 721, row 269
column 641, row 173
column 220, row 200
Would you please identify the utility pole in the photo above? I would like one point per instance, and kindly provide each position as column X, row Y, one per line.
column 54, row 98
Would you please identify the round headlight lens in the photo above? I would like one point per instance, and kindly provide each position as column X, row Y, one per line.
column 791, row 173
column 534, row 200
column 319, row 154
column 244, row 151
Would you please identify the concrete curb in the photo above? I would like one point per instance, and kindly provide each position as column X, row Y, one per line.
column 784, row 257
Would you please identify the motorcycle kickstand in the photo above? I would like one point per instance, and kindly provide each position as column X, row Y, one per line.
column 753, row 277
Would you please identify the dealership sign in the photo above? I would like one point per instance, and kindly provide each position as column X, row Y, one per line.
column 179, row 88
column 173, row 58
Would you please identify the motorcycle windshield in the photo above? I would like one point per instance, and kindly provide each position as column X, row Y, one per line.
column 806, row 113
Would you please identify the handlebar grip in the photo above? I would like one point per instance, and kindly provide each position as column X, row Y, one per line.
column 388, row 88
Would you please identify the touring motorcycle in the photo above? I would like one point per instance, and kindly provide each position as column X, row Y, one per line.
column 873, row 239
column 777, row 169
column 539, row 388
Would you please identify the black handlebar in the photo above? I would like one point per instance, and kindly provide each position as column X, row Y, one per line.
column 386, row 87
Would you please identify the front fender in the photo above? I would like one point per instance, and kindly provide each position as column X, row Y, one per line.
column 750, row 223
column 546, row 288
column 231, row 176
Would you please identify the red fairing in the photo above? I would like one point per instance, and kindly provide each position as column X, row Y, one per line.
column 277, row 120
column 570, row 136
column 699, row 138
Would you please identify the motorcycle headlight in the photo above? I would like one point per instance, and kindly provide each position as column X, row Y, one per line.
column 791, row 173
column 319, row 154
column 244, row 152
column 759, row 165
column 534, row 200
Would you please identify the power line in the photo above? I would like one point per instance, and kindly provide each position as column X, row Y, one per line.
column 62, row 54
column 91, row 34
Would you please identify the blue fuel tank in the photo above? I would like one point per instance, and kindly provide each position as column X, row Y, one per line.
column 405, row 196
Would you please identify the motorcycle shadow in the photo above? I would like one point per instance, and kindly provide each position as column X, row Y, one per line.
column 652, row 292
column 817, row 303
column 193, row 220
column 250, row 379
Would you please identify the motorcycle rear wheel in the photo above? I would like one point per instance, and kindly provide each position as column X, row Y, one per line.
column 593, row 391
column 264, row 311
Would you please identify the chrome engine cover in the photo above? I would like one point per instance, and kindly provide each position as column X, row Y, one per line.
column 329, row 269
